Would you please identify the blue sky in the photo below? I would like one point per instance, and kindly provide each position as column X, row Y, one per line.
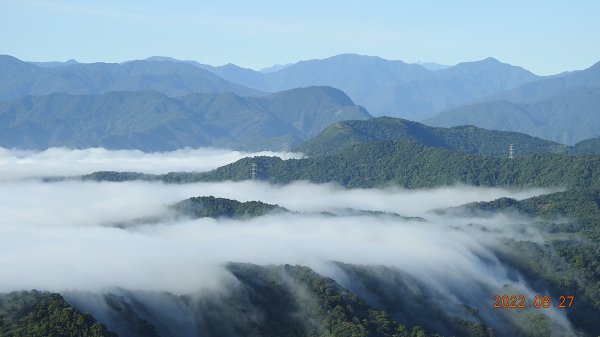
column 545, row 37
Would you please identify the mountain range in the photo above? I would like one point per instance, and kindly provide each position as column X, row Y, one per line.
column 19, row 79
column 564, row 108
column 152, row 121
column 384, row 87
column 487, row 93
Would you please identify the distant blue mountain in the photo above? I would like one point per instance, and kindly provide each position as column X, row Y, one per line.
column 565, row 109
column 53, row 64
column 384, row 87
column 274, row 68
column 18, row 78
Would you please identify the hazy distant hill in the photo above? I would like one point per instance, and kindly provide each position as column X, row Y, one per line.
column 19, row 79
column 454, row 86
column 247, row 77
column 395, row 88
column 229, row 72
column 470, row 139
column 552, row 86
column 52, row 64
column 563, row 108
column 567, row 118
column 384, row 87
column 152, row 121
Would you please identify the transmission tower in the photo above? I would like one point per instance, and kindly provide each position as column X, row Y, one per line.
column 253, row 170
column 511, row 152
column 285, row 147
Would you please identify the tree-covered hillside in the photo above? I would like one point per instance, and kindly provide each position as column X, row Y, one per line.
column 405, row 164
column 40, row 314
column 151, row 121
column 469, row 139
column 269, row 300
column 569, row 258
column 587, row 147
column 200, row 207
column 273, row 300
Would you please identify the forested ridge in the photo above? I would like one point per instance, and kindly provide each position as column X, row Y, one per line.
column 41, row 314
column 199, row 207
column 569, row 259
column 405, row 164
column 469, row 139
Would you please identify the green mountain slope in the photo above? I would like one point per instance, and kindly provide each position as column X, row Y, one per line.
column 588, row 146
column 199, row 207
column 151, row 121
column 469, row 139
column 405, row 164
column 38, row 314
column 271, row 300
column 569, row 257
column 285, row 300
column 413, row 165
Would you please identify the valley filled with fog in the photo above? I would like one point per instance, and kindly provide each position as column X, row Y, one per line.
column 84, row 239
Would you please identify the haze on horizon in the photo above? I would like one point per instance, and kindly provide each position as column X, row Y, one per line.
column 538, row 35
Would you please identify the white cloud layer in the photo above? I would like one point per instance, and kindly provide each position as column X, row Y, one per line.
column 55, row 236
column 16, row 164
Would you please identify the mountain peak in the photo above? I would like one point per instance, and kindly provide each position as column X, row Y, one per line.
column 489, row 63
column 10, row 64
column 8, row 58
column 232, row 66
column 350, row 57
column 161, row 59
column 490, row 60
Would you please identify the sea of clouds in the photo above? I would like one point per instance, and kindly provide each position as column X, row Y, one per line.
column 60, row 236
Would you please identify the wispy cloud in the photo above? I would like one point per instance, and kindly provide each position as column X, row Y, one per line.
column 15, row 164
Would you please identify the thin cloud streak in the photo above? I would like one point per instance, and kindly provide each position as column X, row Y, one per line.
column 18, row 164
